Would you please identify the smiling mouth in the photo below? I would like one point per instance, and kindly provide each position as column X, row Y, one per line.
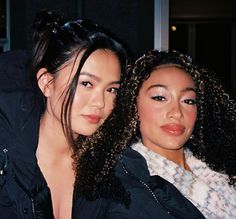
column 94, row 119
column 173, row 129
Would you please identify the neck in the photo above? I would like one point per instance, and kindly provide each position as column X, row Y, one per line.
column 178, row 157
column 175, row 155
column 52, row 140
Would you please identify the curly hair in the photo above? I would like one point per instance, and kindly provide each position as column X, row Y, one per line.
column 214, row 134
column 96, row 155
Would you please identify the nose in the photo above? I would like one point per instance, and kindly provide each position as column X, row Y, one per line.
column 175, row 111
column 98, row 100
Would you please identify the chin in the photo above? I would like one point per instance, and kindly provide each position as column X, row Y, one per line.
column 87, row 133
column 175, row 146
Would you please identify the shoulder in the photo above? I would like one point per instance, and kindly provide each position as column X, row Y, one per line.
column 14, row 69
column 130, row 161
column 20, row 111
column 18, row 105
column 14, row 59
column 18, row 98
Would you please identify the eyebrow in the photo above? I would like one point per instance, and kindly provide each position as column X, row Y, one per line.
column 166, row 87
column 189, row 89
column 157, row 85
column 96, row 78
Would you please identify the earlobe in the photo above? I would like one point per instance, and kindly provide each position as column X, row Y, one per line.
column 44, row 81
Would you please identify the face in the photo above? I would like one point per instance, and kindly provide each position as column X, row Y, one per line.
column 167, row 109
column 97, row 86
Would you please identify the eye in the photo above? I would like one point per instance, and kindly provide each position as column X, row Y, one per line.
column 86, row 84
column 113, row 90
column 190, row 101
column 158, row 98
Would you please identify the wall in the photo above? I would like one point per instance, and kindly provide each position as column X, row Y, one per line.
column 131, row 20
column 203, row 9
column 23, row 13
column 210, row 37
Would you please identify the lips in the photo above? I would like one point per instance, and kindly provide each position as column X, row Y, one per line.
column 94, row 119
column 173, row 129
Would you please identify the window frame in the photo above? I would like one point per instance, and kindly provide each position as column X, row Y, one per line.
column 5, row 42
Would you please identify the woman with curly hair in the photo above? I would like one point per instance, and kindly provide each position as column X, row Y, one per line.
column 78, row 70
column 182, row 150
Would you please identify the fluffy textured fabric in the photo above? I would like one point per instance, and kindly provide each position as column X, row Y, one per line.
column 208, row 190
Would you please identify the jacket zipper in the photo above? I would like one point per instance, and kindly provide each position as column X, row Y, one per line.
column 33, row 208
column 147, row 188
column 3, row 170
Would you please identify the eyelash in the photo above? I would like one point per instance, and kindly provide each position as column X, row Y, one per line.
column 190, row 101
column 110, row 90
column 158, row 98
column 113, row 90
column 86, row 83
column 187, row 101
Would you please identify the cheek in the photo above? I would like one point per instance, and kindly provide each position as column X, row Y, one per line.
column 80, row 100
column 149, row 114
column 191, row 118
column 109, row 105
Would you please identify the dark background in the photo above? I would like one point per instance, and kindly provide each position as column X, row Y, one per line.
column 206, row 29
column 131, row 20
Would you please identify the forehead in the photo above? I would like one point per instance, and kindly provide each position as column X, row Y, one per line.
column 99, row 55
column 100, row 58
column 170, row 77
column 102, row 62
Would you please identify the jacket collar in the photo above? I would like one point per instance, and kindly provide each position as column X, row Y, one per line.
column 134, row 163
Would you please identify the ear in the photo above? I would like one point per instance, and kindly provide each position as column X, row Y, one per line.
column 44, row 81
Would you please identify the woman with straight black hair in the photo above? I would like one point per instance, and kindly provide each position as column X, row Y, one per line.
column 78, row 72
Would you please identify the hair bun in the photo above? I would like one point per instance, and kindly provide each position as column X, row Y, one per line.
column 47, row 21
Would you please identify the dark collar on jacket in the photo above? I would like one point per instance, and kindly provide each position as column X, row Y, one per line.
column 133, row 164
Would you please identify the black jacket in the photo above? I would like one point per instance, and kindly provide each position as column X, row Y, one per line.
column 152, row 197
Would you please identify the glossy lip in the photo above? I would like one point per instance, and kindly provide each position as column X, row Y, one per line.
column 173, row 129
column 94, row 119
